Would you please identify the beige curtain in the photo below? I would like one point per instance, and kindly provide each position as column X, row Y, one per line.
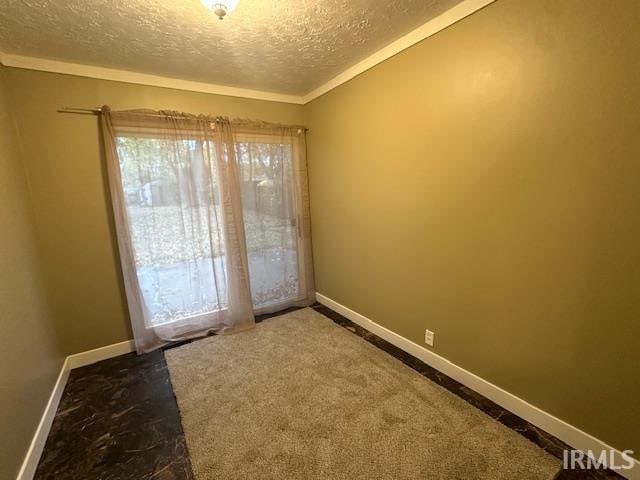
column 178, row 183
column 275, row 196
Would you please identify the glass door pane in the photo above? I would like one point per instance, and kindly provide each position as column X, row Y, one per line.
column 268, row 202
column 173, row 211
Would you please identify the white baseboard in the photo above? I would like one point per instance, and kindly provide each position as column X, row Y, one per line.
column 31, row 459
column 97, row 354
column 569, row 434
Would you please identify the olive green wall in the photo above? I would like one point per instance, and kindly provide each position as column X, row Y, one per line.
column 29, row 359
column 73, row 214
column 484, row 184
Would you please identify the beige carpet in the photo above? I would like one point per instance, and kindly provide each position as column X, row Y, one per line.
column 300, row 397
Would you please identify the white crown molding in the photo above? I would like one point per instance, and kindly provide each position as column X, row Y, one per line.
column 569, row 434
column 54, row 66
column 433, row 26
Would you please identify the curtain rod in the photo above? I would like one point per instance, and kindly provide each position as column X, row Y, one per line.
column 81, row 111
column 98, row 110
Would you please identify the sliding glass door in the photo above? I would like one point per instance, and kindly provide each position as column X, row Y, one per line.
column 270, row 219
column 172, row 207
column 212, row 221
column 174, row 210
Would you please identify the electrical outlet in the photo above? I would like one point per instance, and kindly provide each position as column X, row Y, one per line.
column 428, row 337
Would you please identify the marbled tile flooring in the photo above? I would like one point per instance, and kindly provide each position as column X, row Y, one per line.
column 118, row 419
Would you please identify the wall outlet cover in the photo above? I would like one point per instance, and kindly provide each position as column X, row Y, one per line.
column 428, row 337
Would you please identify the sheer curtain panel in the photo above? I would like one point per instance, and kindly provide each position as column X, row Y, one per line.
column 174, row 187
column 275, row 199
column 212, row 221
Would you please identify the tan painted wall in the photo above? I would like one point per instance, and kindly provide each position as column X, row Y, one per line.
column 62, row 154
column 482, row 184
column 485, row 184
column 29, row 361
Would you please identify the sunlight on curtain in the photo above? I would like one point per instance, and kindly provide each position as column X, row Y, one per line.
column 178, row 213
column 176, row 232
column 266, row 183
column 211, row 220
column 273, row 179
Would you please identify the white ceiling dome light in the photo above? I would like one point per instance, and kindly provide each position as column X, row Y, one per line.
column 221, row 7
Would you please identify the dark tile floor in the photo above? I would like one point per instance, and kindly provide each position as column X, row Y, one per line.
column 118, row 419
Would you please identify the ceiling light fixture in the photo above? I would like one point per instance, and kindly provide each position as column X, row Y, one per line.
column 221, row 7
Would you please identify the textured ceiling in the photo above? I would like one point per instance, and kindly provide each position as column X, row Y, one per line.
column 287, row 46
